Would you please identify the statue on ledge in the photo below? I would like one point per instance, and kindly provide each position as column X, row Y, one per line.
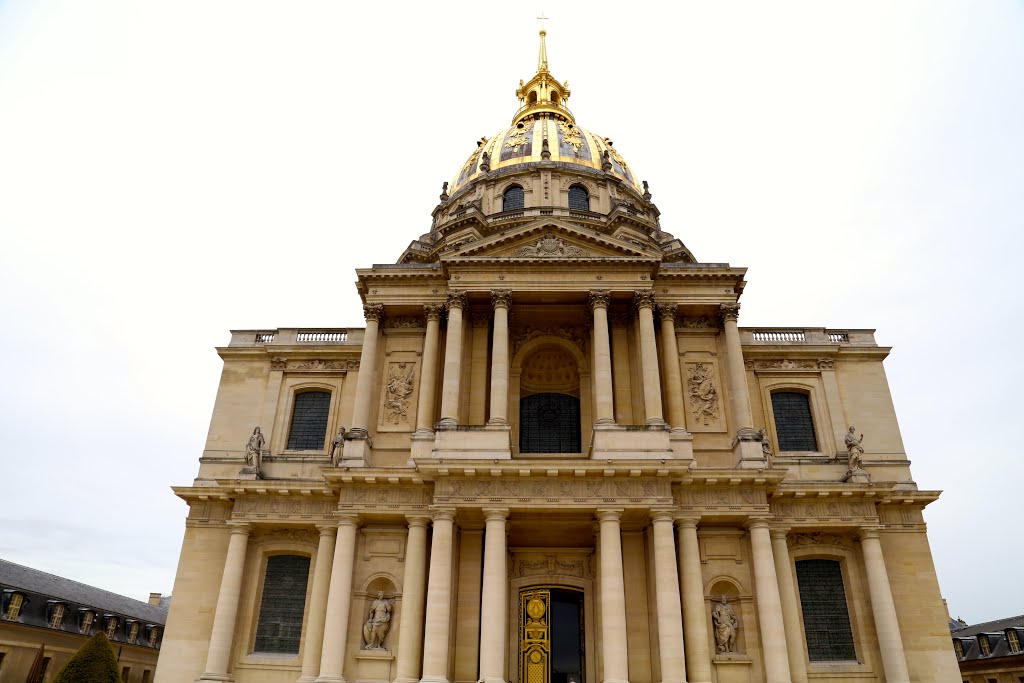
column 723, row 617
column 854, row 449
column 338, row 446
column 254, row 450
column 378, row 623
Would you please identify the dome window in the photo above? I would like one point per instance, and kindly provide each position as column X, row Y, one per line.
column 554, row 97
column 514, row 198
column 533, row 97
column 579, row 198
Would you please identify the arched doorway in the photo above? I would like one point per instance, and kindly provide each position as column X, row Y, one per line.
column 551, row 635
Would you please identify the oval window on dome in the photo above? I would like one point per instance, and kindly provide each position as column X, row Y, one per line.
column 579, row 198
column 514, row 198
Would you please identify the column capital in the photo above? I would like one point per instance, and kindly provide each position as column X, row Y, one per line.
column 644, row 298
column 239, row 527
column 417, row 520
column 443, row 513
column 432, row 311
column 779, row 532
column 687, row 522
column 730, row 312
column 609, row 515
column 327, row 529
column 868, row 532
column 501, row 298
column 349, row 520
column 599, row 298
column 758, row 523
column 373, row 311
column 456, row 299
column 495, row 514
column 662, row 516
column 667, row 312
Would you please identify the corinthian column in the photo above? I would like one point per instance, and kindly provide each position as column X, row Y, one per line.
column 495, row 599
column 890, row 643
column 339, row 602
column 367, row 372
column 738, row 392
column 223, row 632
column 613, row 599
column 439, row 600
column 670, row 366
column 500, row 298
column 769, row 604
column 428, row 378
column 452, row 360
column 410, row 628
column 604, row 413
column 314, row 639
column 666, row 587
column 649, row 357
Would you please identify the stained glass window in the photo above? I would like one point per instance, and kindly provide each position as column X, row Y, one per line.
column 579, row 198
column 826, row 618
column 514, row 198
column 284, row 598
column 309, row 421
column 793, row 423
column 549, row 423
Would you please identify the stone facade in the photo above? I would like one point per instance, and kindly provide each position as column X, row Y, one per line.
column 552, row 411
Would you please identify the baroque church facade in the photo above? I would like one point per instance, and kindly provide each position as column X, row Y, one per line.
column 553, row 456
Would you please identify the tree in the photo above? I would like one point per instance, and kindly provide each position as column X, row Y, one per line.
column 95, row 662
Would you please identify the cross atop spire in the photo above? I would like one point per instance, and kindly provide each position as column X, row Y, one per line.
column 542, row 57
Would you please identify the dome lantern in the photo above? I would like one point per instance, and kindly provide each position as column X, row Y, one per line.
column 543, row 94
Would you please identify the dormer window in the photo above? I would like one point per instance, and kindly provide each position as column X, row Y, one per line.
column 958, row 648
column 133, row 631
column 57, row 610
column 514, row 198
column 86, row 618
column 111, row 626
column 15, row 601
column 1013, row 640
column 579, row 198
column 154, row 634
column 983, row 643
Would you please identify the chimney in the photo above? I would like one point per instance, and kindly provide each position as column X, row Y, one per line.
column 154, row 599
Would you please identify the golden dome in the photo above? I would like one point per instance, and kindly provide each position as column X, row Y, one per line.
column 543, row 130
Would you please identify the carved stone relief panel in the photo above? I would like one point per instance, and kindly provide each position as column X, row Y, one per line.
column 550, row 370
column 721, row 498
column 540, row 562
column 577, row 334
column 782, row 364
column 832, row 510
column 282, row 508
column 799, row 540
column 383, row 497
column 703, row 396
column 399, row 381
column 576, row 492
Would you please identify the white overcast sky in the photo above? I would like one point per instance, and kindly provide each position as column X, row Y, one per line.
column 173, row 170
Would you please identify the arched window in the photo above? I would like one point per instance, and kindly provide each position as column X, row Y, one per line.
column 309, row 421
column 579, row 198
column 514, row 198
column 549, row 423
column 554, row 97
column 794, row 426
column 826, row 618
column 284, row 599
column 533, row 97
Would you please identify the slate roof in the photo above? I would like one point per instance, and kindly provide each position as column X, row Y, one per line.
column 32, row 580
column 990, row 626
column 995, row 632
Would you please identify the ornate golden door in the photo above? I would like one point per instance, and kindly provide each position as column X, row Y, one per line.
column 534, row 635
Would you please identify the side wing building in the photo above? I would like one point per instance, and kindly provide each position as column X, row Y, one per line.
column 552, row 455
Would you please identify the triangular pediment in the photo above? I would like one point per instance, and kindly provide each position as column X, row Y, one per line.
column 552, row 240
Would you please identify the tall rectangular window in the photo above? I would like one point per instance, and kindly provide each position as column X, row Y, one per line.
column 284, row 599
column 125, row 673
column 146, row 673
column 793, row 423
column 309, row 421
column 826, row 618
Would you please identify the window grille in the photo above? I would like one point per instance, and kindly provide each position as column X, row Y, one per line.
column 284, row 598
column 549, row 423
column 514, row 198
column 579, row 198
column 794, row 426
column 826, row 618
column 309, row 421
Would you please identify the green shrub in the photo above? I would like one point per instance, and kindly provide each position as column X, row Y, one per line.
column 95, row 662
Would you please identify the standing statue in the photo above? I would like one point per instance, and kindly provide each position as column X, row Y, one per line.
column 766, row 447
column 853, row 448
column 378, row 622
column 723, row 617
column 338, row 446
column 254, row 449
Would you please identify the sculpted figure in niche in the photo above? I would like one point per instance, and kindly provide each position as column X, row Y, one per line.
column 254, row 449
column 378, row 623
column 338, row 446
column 723, row 617
column 853, row 448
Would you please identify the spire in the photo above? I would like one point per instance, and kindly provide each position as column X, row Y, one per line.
column 542, row 56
